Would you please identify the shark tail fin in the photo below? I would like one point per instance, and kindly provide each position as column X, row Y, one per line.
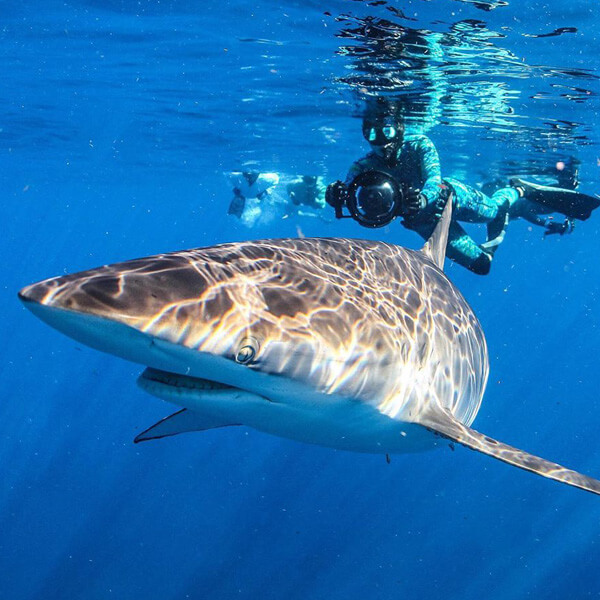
column 180, row 422
column 435, row 246
column 444, row 424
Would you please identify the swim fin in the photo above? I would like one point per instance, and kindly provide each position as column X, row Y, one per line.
column 238, row 202
column 570, row 203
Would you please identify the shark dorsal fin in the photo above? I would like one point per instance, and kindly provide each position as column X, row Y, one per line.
column 441, row 422
column 435, row 246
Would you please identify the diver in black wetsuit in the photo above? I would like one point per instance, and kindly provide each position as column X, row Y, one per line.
column 536, row 202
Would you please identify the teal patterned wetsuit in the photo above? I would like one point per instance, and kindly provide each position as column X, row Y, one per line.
column 418, row 166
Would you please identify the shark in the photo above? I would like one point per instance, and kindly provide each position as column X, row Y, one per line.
column 351, row 344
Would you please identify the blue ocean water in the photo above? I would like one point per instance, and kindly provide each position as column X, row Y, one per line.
column 119, row 120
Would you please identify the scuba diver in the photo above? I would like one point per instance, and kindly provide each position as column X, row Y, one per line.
column 258, row 198
column 307, row 191
column 250, row 189
column 401, row 176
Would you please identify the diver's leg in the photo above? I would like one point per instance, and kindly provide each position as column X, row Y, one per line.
column 506, row 195
column 471, row 205
column 496, row 228
column 474, row 206
column 463, row 249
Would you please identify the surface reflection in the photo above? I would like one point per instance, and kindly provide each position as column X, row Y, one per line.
column 468, row 75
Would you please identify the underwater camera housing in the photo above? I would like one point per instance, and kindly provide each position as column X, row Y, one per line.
column 373, row 199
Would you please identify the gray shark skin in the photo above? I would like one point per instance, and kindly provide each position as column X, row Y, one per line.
column 350, row 344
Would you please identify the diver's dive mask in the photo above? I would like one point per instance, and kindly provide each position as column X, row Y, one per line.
column 384, row 136
column 373, row 199
column 380, row 134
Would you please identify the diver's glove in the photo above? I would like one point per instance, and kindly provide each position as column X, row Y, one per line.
column 413, row 202
column 336, row 194
column 552, row 227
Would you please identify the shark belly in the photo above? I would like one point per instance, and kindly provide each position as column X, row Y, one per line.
column 346, row 426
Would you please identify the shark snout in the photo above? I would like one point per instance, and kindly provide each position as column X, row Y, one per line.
column 127, row 292
column 35, row 293
column 170, row 297
column 92, row 295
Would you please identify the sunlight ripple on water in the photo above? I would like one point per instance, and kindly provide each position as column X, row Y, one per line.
column 465, row 75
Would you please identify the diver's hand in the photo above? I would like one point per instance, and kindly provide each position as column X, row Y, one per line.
column 336, row 194
column 413, row 202
column 553, row 227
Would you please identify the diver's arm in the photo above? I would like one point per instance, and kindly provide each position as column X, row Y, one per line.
column 356, row 168
column 551, row 226
column 336, row 192
column 430, row 169
column 534, row 219
column 527, row 211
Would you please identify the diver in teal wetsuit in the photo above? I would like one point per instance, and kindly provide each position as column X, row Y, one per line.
column 412, row 162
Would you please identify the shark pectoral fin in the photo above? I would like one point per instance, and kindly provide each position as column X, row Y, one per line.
column 435, row 246
column 181, row 422
column 444, row 424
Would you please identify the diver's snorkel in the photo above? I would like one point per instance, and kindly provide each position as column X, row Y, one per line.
column 373, row 199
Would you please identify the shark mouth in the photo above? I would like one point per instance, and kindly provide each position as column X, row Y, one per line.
column 195, row 393
column 155, row 380
column 207, row 404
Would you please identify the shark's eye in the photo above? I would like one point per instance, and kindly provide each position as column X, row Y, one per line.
column 247, row 351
